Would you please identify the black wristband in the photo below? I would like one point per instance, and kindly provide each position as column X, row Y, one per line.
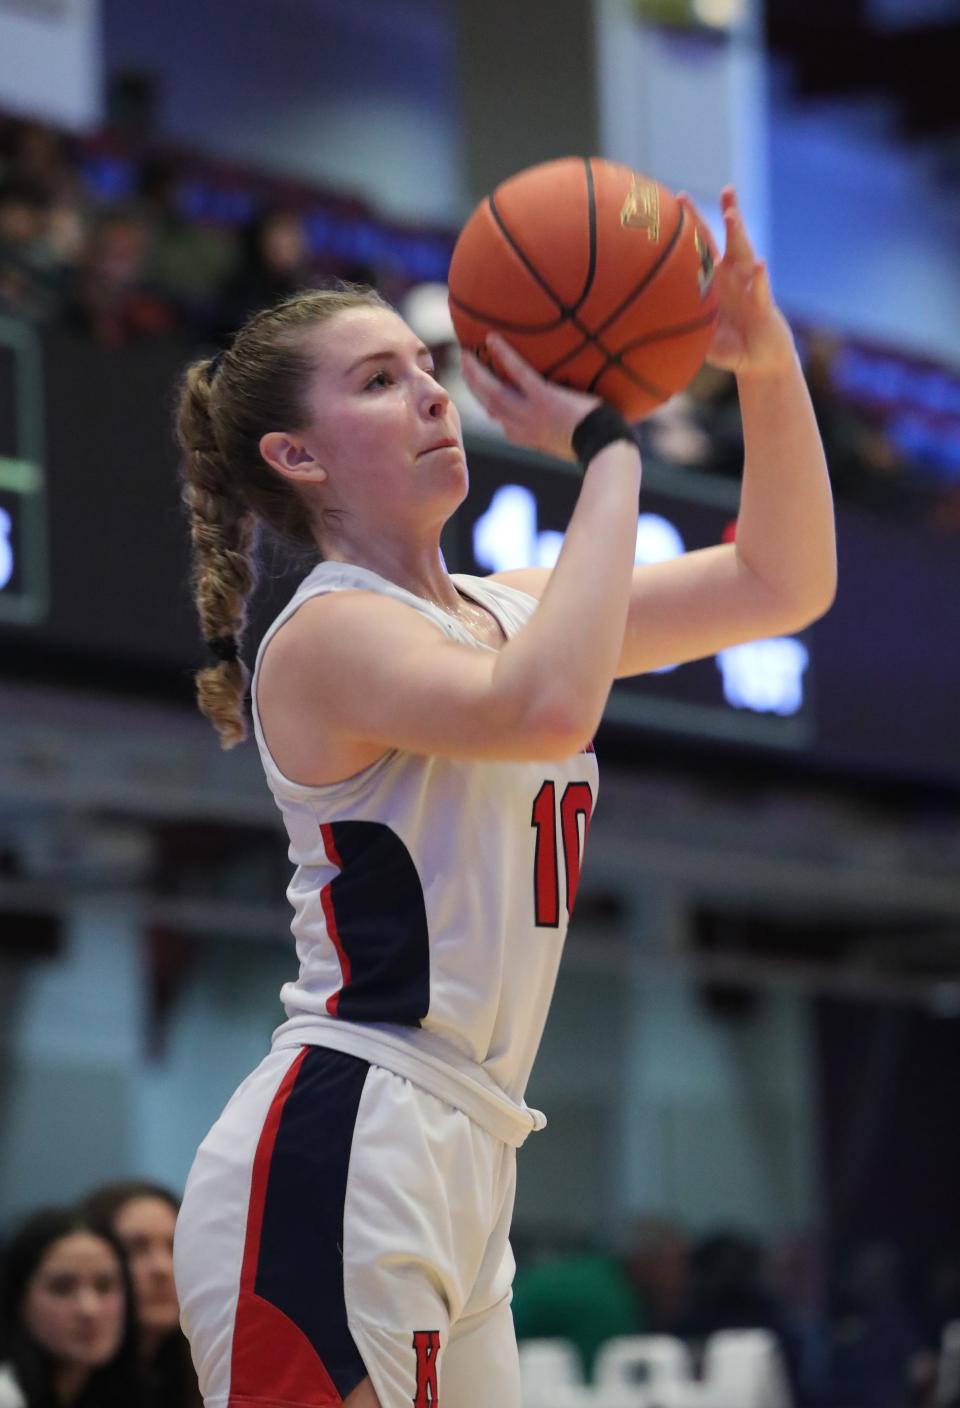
column 602, row 426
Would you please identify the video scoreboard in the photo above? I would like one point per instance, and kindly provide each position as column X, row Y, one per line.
column 24, row 576
column 757, row 692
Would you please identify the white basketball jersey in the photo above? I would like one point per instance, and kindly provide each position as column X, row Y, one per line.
column 431, row 895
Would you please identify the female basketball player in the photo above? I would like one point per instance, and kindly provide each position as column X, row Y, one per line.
column 343, row 1236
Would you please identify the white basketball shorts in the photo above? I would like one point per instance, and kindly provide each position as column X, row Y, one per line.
column 339, row 1222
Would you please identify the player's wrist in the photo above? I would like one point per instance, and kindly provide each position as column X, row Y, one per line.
column 776, row 356
column 602, row 426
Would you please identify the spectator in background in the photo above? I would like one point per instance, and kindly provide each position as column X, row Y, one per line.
column 43, row 214
column 66, row 1324
column 274, row 262
column 142, row 1216
column 592, row 1298
column 40, row 157
column 27, row 275
column 186, row 261
column 133, row 100
column 939, row 1293
column 110, row 300
column 699, row 427
column 656, row 1260
column 864, row 464
column 795, row 1277
column 727, row 1291
column 67, row 236
column 878, row 1355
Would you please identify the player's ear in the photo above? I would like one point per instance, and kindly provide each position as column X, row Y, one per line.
column 290, row 457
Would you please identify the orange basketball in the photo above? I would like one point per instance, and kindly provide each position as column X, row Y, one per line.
column 597, row 275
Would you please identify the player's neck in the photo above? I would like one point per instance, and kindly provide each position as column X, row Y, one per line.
column 417, row 567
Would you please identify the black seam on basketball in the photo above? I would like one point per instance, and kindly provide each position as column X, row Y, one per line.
column 612, row 365
column 592, row 237
column 589, row 338
column 502, row 324
column 530, row 267
column 644, row 283
column 678, row 330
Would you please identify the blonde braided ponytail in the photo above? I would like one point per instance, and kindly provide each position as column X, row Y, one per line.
column 227, row 404
column 223, row 534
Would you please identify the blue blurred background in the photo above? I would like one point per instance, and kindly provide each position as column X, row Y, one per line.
column 753, row 1051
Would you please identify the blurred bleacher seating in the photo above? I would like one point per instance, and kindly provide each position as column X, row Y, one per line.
column 741, row 1369
column 124, row 241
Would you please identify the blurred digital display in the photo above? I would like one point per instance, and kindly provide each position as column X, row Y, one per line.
column 911, row 14
column 760, row 691
column 23, row 556
column 873, row 688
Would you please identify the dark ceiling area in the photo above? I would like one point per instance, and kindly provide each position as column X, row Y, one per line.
column 911, row 53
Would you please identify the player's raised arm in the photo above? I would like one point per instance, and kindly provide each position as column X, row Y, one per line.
column 781, row 572
column 574, row 640
column 785, row 529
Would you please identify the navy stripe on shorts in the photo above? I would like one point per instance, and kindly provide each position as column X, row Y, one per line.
column 291, row 1341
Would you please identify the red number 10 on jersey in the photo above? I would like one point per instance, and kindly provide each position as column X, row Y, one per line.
column 576, row 802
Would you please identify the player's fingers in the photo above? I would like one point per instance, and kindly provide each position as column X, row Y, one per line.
column 738, row 251
column 761, row 284
column 519, row 371
column 739, row 248
column 478, row 379
column 516, row 432
column 494, row 395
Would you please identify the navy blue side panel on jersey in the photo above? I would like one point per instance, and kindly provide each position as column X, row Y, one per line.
column 300, row 1263
column 381, row 920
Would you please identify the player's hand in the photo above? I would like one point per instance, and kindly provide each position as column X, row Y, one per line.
column 752, row 336
column 533, row 411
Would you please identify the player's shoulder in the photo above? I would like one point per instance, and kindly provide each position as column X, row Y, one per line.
column 334, row 622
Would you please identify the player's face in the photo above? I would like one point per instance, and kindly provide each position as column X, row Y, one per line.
column 382, row 427
column 74, row 1305
column 145, row 1227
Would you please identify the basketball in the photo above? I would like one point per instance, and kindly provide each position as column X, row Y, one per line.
column 598, row 276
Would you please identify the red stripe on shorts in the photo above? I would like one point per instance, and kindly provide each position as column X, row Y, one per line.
column 272, row 1361
column 326, row 900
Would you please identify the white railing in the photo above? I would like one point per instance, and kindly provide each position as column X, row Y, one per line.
column 741, row 1369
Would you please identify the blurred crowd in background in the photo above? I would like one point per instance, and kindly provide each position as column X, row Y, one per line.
column 867, row 1331
column 89, row 1316
column 88, row 1307
column 121, row 241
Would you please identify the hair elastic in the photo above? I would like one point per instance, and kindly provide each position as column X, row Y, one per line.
column 223, row 647
column 213, row 366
